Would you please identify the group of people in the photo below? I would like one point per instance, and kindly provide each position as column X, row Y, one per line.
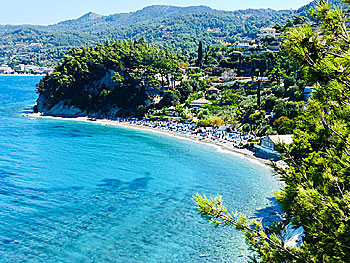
column 224, row 134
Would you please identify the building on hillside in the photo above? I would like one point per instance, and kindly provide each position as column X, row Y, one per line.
column 19, row 67
column 246, row 45
column 267, row 31
column 199, row 103
column 5, row 69
column 48, row 70
column 213, row 90
column 274, row 48
column 243, row 45
column 267, row 148
column 307, row 93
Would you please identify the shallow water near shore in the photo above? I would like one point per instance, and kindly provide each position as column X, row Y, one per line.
column 83, row 192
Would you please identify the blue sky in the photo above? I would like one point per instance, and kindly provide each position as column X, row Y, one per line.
column 44, row 12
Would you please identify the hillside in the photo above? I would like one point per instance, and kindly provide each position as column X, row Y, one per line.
column 177, row 28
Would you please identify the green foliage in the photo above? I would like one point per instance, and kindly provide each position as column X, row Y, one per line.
column 174, row 28
column 210, row 122
column 170, row 98
column 258, row 115
column 185, row 88
column 269, row 246
column 229, row 98
column 200, row 54
column 84, row 78
column 288, row 81
column 294, row 93
column 284, row 125
column 289, row 109
column 194, row 96
column 316, row 195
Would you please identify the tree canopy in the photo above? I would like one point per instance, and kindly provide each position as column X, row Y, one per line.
column 316, row 196
column 84, row 77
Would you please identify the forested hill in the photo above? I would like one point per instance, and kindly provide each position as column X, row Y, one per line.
column 91, row 21
column 304, row 9
column 177, row 28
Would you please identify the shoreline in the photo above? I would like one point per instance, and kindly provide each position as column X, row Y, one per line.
column 24, row 75
column 244, row 153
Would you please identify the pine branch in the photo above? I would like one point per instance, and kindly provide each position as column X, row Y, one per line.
column 332, row 130
column 227, row 219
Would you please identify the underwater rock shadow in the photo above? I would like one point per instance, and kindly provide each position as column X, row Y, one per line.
column 138, row 184
column 110, row 183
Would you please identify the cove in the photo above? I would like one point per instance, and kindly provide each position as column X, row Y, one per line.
column 80, row 192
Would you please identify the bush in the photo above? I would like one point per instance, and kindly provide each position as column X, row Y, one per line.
column 210, row 122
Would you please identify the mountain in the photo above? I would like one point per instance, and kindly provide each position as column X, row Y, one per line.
column 89, row 16
column 177, row 28
column 304, row 9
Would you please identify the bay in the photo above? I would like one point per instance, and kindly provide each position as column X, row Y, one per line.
column 81, row 192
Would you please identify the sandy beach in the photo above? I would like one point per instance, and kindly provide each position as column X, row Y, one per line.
column 223, row 146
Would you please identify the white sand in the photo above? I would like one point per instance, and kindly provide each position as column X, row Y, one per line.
column 222, row 147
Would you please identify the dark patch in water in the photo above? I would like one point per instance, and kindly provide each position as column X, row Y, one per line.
column 4, row 174
column 110, row 183
column 74, row 135
column 57, row 127
column 2, row 192
column 269, row 214
column 35, row 197
column 6, row 241
column 111, row 209
column 77, row 188
column 139, row 183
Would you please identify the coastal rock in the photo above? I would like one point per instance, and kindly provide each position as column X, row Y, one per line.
column 106, row 81
column 63, row 108
column 114, row 111
column 42, row 104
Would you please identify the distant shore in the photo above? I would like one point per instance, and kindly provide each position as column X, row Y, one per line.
column 24, row 75
column 220, row 145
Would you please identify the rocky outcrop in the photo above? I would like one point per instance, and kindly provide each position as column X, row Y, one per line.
column 63, row 108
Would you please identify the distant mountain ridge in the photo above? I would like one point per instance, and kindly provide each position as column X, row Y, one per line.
column 89, row 16
column 145, row 15
column 177, row 28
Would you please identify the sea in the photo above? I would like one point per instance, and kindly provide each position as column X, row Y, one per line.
column 73, row 191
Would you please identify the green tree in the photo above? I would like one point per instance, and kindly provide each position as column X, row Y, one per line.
column 316, row 195
column 200, row 54
column 283, row 125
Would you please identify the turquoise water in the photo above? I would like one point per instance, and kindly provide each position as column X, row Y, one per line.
column 81, row 192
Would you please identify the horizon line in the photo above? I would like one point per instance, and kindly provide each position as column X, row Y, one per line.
column 133, row 11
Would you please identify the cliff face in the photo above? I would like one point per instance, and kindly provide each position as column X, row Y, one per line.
column 67, row 107
column 64, row 108
column 110, row 79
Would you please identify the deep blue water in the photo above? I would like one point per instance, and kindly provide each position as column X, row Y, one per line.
column 81, row 192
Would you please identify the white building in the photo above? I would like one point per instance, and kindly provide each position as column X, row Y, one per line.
column 267, row 31
column 5, row 69
column 267, row 148
column 200, row 102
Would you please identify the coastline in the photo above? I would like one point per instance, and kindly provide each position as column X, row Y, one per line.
column 24, row 75
column 245, row 153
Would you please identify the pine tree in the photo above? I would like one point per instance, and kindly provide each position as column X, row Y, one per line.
column 316, row 196
column 200, row 54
